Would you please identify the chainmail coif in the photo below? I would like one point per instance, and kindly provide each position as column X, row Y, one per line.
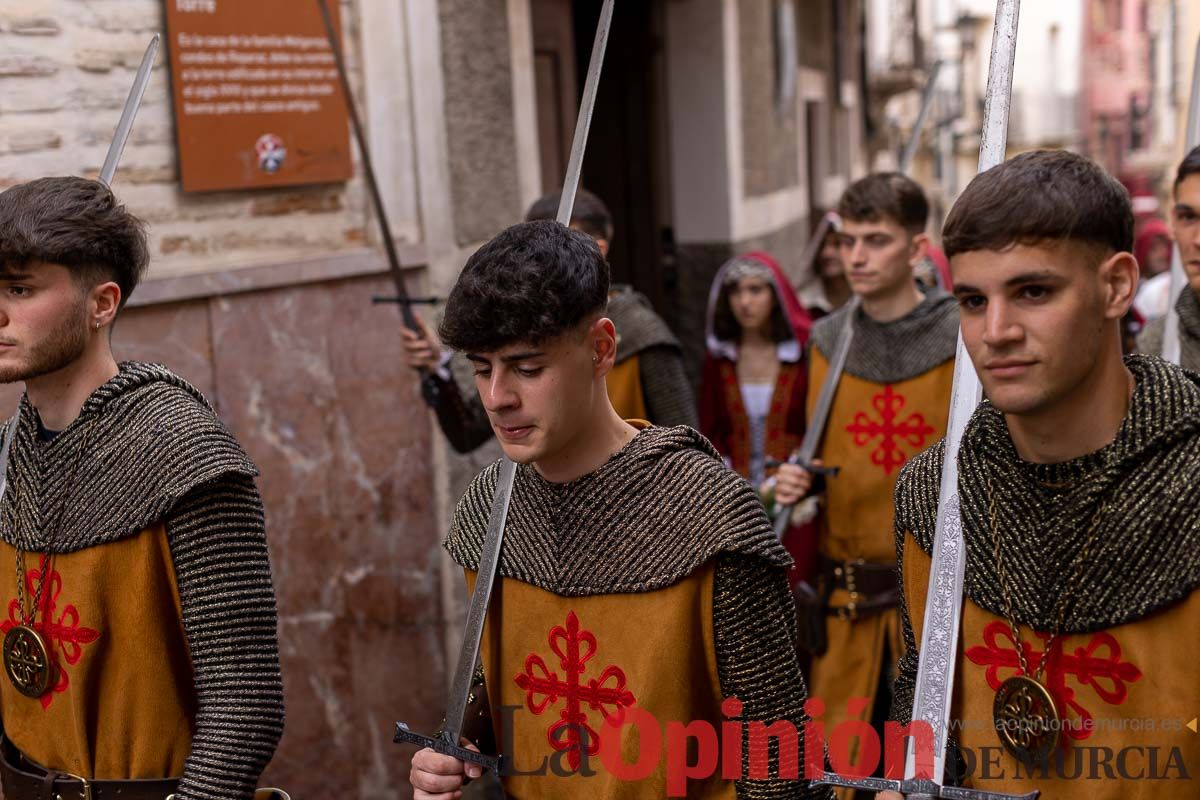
column 659, row 508
column 890, row 352
column 1150, row 340
column 1147, row 550
column 150, row 449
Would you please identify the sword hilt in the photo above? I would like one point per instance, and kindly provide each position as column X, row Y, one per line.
column 828, row 472
column 404, row 734
column 918, row 789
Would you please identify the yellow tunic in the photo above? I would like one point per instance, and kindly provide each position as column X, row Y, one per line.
column 873, row 430
column 553, row 661
column 624, row 384
column 121, row 701
column 1126, row 694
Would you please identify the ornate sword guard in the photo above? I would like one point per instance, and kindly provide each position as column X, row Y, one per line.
column 404, row 734
column 918, row 789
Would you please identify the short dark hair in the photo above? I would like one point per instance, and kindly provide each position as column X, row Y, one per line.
column 886, row 194
column 532, row 283
column 589, row 213
column 76, row 223
column 1040, row 196
column 1188, row 167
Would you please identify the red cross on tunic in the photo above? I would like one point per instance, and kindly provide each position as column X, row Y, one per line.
column 64, row 636
column 913, row 430
column 572, row 733
column 1098, row 666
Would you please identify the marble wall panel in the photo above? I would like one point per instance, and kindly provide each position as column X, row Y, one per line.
column 309, row 381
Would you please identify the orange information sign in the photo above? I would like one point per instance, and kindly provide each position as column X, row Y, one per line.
column 257, row 99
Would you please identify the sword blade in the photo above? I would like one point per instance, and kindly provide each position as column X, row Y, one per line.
column 489, row 561
column 943, row 606
column 820, row 416
column 460, row 687
column 914, row 141
column 1171, row 347
column 566, row 202
column 364, row 152
column 125, row 125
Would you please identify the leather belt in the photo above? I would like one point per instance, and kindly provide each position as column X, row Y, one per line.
column 873, row 588
column 24, row 780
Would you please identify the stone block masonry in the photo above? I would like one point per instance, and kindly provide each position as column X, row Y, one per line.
column 65, row 70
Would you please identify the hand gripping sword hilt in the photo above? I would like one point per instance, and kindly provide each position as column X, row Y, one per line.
column 404, row 734
column 918, row 789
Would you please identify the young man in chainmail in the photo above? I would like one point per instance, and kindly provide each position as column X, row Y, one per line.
column 647, row 381
column 1185, row 228
column 635, row 567
column 1080, row 508
column 891, row 404
column 140, row 652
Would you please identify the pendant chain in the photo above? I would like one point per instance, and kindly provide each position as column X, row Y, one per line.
column 1060, row 606
column 62, row 510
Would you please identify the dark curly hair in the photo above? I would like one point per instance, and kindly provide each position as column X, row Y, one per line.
column 76, row 223
column 1040, row 196
column 532, row 283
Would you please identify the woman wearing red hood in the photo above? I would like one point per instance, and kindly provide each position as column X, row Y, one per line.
column 752, row 391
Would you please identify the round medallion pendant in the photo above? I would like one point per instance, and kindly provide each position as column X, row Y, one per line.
column 1026, row 719
column 27, row 661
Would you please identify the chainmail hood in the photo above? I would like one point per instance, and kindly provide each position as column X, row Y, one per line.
column 659, row 508
column 141, row 442
column 890, row 352
column 638, row 327
column 1147, row 549
column 1150, row 340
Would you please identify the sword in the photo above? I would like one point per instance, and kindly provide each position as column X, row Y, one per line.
column 943, row 609
column 914, row 140
column 815, row 430
column 1171, row 346
column 489, row 560
column 132, row 103
column 385, row 228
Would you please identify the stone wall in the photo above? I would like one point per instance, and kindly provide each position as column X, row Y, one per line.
column 65, row 70
column 769, row 150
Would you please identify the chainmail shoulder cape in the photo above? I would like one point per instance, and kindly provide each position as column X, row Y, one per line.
column 638, row 327
column 890, row 352
column 142, row 441
column 1150, row 340
column 1147, row 552
column 658, row 509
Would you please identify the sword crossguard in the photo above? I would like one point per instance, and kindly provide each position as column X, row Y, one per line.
column 829, row 472
column 918, row 789
column 405, row 734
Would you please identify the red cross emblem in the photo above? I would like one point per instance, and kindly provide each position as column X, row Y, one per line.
column 913, row 431
column 65, row 636
column 606, row 694
column 1096, row 665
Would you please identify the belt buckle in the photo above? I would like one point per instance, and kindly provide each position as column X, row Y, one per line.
column 87, row 787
